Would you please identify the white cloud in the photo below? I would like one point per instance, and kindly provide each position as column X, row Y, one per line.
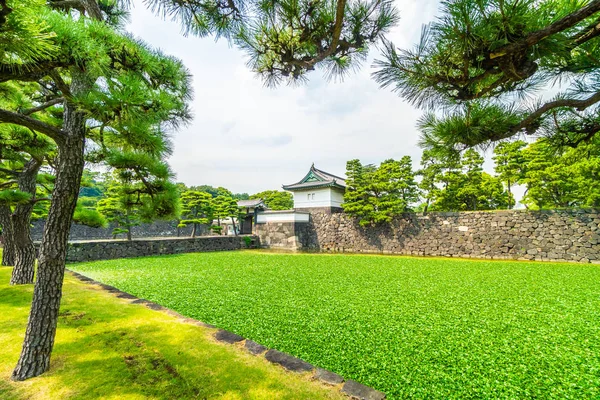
column 250, row 138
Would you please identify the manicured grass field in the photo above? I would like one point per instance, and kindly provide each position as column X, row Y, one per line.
column 109, row 349
column 411, row 327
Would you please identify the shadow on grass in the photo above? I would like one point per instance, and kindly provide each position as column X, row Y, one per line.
column 107, row 348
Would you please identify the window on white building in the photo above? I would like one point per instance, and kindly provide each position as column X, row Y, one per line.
column 313, row 196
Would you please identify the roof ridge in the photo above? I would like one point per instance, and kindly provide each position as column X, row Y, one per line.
column 329, row 174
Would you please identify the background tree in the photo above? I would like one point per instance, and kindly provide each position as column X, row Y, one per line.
column 469, row 191
column 196, row 209
column 225, row 207
column 377, row 195
column 139, row 191
column 448, row 182
column 431, row 169
column 561, row 178
column 509, row 165
column 482, row 61
column 213, row 191
column 405, row 183
column 356, row 197
column 22, row 155
column 275, row 199
column 463, row 186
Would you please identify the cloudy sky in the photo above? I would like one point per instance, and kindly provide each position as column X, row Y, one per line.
column 250, row 138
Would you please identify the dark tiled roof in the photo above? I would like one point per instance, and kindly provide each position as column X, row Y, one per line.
column 251, row 203
column 316, row 178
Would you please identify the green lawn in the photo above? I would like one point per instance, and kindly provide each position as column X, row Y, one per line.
column 107, row 348
column 411, row 327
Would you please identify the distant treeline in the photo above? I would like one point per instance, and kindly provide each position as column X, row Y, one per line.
column 553, row 177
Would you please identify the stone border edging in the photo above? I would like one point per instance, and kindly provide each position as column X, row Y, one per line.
column 347, row 387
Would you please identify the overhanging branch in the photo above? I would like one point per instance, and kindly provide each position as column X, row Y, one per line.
column 30, row 72
column 579, row 105
column 43, row 106
column 558, row 26
column 53, row 132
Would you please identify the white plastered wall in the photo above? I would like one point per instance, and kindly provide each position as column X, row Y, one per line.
column 323, row 197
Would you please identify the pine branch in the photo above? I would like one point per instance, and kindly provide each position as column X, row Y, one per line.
column 9, row 172
column 558, row 26
column 30, row 72
column 60, row 83
column 587, row 34
column 43, row 106
column 53, row 132
column 579, row 105
column 89, row 7
column 337, row 31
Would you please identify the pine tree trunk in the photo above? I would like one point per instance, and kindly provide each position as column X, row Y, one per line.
column 8, row 251
column 43, row 317
column 194, row 230
column 24, row 249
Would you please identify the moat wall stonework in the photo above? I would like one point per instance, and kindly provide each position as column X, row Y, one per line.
column 559, row 235
column 154, row 229
column 283, row 235
column 111, row 249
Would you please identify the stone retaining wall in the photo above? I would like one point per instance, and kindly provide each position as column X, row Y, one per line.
column 154, row 229
column 111, row 249
column 283, row 235
column 560, row 235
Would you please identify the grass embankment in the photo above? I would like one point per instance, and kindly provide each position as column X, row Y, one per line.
column 109, row 349
column 411, row 327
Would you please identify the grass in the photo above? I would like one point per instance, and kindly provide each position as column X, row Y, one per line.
column 411, row 327
column 107, row 348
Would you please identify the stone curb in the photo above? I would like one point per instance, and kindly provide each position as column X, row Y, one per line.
column 288, row 362
column 228, row 337
column 349, row 388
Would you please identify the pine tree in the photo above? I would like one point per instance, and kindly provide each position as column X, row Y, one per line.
column 561, row 178
column 478, row 69
column 196, row 209
column 275, row 199
column 140, row 191
column 356, row 197
column 431, row 168
column 22, row 154
column 115, row 92
column 377, row 195
column 508, row 158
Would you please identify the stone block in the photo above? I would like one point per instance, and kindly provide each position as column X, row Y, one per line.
column 228, row 337
column 254, row 347
column 361, row 392
column 328, row 377
column 288, row 362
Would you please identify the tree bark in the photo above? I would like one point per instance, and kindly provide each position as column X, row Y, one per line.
column 24, row 270
column 194, row 230
column 43, row 317
column 8, row 252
